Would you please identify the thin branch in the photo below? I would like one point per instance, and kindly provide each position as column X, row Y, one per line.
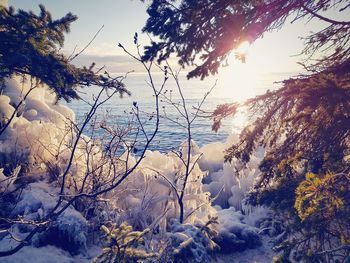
column 87, row 45
column 325, row 18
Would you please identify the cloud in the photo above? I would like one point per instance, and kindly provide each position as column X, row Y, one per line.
column 113, row 63
column 116, row 64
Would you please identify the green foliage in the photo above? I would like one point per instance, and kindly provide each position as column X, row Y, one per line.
column 304, row 127
column 30, row 44
column 323, row 197
column 123, row 245
column 281, row 196
column 323, row 204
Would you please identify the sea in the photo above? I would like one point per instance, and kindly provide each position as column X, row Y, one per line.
column 118, row 111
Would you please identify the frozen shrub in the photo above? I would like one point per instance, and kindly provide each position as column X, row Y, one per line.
column 124, row 245
column 224, row 179
column 191, row 243
column 35, row 201
column 69, row 231
column 149, row 194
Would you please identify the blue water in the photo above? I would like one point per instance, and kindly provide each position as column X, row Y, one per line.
column 170, row 134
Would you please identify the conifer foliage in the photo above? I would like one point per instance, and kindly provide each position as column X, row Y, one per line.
column 202, row 33
column 30, row 44
column 122, row 245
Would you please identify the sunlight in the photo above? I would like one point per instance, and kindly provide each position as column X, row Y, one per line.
column 239, row 121
column 243, row 48
column 239, row 81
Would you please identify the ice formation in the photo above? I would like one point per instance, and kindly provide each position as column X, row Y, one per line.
column 36, row 147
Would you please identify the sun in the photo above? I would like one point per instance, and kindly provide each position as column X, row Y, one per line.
column 242, row 49
column 239, row 80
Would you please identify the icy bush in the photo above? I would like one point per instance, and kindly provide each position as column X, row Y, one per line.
column 37, row 132
column 34, row 152
column 224, row 181
column 40, row 138
column 190, row 242
column 69, row 231
column 148, row 196
column 124, row 245
column 255, row 215
column 213, row 154
column 35, row 201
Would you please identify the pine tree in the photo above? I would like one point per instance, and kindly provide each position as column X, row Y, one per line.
column 30, row 44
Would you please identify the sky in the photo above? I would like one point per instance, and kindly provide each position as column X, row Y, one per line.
column 275, row 52
column 120, row 18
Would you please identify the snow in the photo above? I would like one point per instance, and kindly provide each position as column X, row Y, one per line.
column 36, row 200
column 234, row 234
column 223, row 179
column 189, row 243
column 41, row 255
column 158, row 180
column 70, row 228
column 45, row 254
column 35, row 149
column 262, row 254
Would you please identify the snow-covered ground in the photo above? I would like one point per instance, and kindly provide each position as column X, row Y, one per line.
column 36, row 144
column 262, row 254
